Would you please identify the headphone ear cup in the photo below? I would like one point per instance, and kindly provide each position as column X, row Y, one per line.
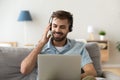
column 70, row 28
column 50, row 22
column 50, row 26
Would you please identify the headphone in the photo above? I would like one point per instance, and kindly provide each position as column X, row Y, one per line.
column 50, row 22
column 70, row 26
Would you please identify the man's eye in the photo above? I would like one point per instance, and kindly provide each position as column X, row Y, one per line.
column 62, row 27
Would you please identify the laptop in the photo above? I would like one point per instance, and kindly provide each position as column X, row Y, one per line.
column 59, row 67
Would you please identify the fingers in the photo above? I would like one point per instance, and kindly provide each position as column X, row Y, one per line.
column 49, row 35
column 45, row 36
column 47, row 29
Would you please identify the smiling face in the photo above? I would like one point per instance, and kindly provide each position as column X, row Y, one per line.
column 60, row 29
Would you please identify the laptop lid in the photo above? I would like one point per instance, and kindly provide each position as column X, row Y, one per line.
column 59, row 67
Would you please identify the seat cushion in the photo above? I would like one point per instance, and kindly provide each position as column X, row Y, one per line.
column 10, row 60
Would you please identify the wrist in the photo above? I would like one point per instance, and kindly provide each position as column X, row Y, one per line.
column 41, row 43
column 39, row 47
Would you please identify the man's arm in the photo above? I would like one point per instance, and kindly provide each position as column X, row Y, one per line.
column 28, row 64
column 89, row 70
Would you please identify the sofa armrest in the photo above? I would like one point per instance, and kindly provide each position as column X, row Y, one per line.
column 110, row 76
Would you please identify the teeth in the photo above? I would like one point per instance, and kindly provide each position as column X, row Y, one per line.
column 57, row 34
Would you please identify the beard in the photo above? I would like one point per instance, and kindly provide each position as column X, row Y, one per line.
column 59, row 39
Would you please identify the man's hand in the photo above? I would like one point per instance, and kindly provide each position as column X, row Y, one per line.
column 45, row 36
column 89, row 70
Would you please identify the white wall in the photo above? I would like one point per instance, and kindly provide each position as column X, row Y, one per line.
column 102, row 14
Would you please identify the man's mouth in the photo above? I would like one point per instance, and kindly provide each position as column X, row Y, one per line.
column 58, row 34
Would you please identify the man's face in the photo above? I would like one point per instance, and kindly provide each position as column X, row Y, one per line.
column 60, row 29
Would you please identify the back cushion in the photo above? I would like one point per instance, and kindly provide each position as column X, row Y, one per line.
column 94, row 52
column 10, row 60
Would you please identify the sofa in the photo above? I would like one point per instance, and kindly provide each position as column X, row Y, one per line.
column 10, row 60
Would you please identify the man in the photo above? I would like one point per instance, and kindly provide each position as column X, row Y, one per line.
column 58, row 43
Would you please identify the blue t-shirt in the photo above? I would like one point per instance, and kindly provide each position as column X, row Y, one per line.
column 72, row 47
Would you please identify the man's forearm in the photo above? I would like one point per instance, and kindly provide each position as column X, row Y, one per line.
column 29, row 62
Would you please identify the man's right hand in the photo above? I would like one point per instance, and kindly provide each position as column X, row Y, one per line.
column 45, row 36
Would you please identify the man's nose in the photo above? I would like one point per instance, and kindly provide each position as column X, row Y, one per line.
column 57, row 29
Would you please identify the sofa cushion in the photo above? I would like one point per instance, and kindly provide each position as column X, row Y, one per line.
column 94, row 52
column 110, row 75
column 10, row 60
